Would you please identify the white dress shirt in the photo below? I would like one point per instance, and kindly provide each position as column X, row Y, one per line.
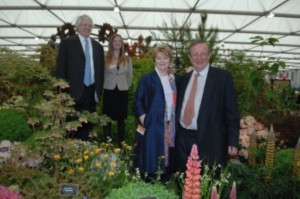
column 198, row 98
column 167, row 92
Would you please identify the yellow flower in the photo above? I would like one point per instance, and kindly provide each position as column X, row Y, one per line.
column 79, row 160
column 111, row 173
column 56, row 157
column 70, row 171
column 85, row 157
column 113, row 164
column 105, row 164
column 70, row 142
column 80, row 169
column 86, row 152
column 105, row 156
column 129, row 148
column 98, row 164
column 98, row 150
column 117, row 150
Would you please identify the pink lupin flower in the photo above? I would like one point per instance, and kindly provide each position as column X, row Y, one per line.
column 233, row 191
column 214, row 193
column 6, row 193
column 192, row 180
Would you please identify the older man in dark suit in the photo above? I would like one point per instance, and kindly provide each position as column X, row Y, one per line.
column 207, row 111
column 80, row 62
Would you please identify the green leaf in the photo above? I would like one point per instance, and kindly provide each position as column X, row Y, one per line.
column 258, row 83
column 274, row 68
column 269, row 94
column 272, row 41
column 253, row 75
column 281, row 64
column 256, row 39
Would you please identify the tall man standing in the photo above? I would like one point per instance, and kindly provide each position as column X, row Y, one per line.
column 207, row 111
column 80, row 62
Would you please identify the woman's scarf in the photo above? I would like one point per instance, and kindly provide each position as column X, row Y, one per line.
column 170, row 124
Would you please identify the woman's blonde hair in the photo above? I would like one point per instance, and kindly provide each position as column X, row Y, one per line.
column 164, row 49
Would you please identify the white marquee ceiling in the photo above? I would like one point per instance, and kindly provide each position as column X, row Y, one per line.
column 21, row 21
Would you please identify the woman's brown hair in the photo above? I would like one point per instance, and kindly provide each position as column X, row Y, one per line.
column 123, row 59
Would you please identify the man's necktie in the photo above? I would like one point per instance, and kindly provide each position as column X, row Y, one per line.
column 189, row 111
column 87, row 72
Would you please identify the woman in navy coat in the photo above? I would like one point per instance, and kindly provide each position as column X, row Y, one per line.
column 155, row 100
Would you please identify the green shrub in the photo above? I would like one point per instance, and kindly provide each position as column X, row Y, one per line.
column 284, row 162
column 13, row 125
column 140, row 190
column 140, row 67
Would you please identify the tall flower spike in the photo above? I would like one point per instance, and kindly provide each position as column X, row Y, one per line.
column 296, row 163
column 252, row 149
column 270, row 154
column 233, row 191
column 192, row 180
column 214, row 193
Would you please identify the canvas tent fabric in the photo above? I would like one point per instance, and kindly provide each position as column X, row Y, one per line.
column 25, row 24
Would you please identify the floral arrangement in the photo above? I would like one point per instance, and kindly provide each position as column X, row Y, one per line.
column 249, row 125
column 79, row 157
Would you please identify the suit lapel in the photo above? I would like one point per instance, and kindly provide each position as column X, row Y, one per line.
column 184, row 82
column 156, row 79
column 79, row 46
column 209, row 87
column 94, row 50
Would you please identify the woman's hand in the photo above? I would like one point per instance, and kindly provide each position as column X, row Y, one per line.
column 168, row 133
column 142, row 119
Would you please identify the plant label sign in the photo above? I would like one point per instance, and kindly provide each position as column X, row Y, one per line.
column 68, row 189
column 4, row 149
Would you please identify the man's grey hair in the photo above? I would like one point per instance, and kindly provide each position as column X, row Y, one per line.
column 80, row 18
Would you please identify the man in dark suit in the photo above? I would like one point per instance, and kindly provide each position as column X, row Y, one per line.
column 212, row 122
column 80, row 62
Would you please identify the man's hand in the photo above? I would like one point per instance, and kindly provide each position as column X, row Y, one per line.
column 232, row 150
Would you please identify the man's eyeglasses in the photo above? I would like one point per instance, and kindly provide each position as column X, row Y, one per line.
column 196, row 55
